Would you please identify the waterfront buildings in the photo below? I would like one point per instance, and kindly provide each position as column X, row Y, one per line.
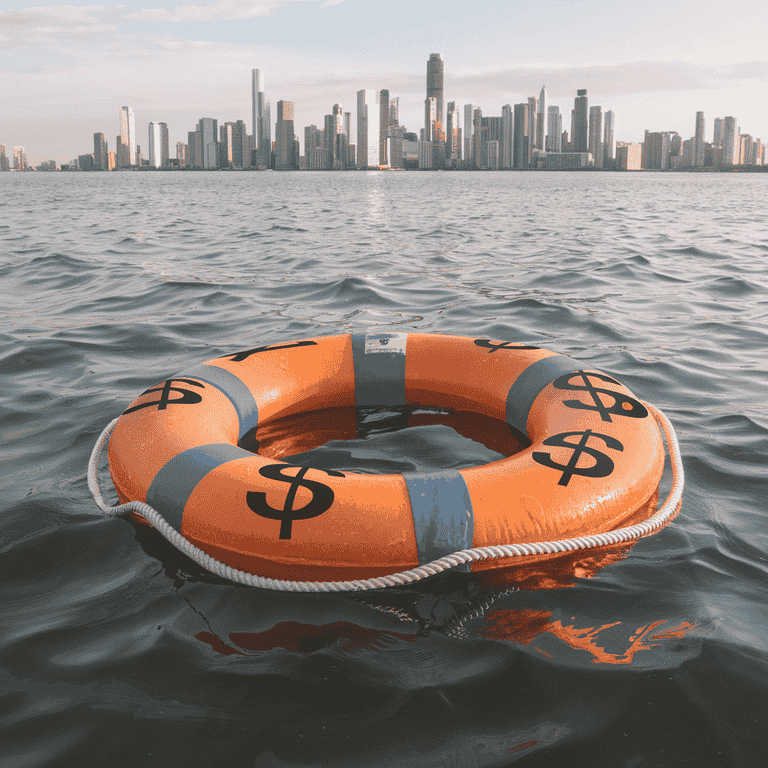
column 541, row 119
column 609, row 141
column 595, row 135
column 127, row 138
column 261, row 140
column 100, row 153
column 284, row 137
column 158, row 145
column 698, row 151
column 368, row 141
column 579, row 128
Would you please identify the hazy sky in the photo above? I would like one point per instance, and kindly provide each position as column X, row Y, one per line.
column 65, row 70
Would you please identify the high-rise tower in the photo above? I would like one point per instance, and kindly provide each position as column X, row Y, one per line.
column 262, row 131
column 128, row 135
column 383, row 126
column 541, row 120
column 609, row 143
column 367, row 136
column 581, row 122
column 595, row 135
column 698, row 147
column 158, row 144
column 284, row 138
column 434, row 90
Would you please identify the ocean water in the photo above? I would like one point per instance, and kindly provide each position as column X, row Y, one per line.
column 117, row 650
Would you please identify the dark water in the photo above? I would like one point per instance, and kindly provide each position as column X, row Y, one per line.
column 116, row 650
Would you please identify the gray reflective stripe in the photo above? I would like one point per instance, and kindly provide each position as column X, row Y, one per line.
column 442, row 514
column 530, row 382
column 174, row 483
column 379, row 360
column 239, row 395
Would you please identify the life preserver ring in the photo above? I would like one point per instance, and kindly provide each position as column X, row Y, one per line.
column 594, row 461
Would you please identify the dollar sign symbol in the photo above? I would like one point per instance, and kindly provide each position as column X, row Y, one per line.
column 602, row 467
column 238, row 357
column 622, row 404
column 187, row 395
column 503, row 345
column 322, row 497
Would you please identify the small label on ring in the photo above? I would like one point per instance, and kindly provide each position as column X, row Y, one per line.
column 392, row 343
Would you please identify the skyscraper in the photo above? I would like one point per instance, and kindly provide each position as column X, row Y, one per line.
column 284, row 137
column 580, row 122
column 698, row 146
column 158, row 145
column 533, row 110
column 208, row 129
column 554, row 142
column 383, row 126
column 541, row 120
column 469, row 111
column 367, row 136
column 521, row 149
column 595, row 135
column 434, row 90
column 100, row 153
column 262, row 130
column 507, row 137
column 128, row 135
column 731, row 141
column 609, row 142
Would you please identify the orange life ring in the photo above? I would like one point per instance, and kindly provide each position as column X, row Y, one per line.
column 594, row 461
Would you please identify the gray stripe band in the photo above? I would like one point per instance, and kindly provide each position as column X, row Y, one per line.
column 442, row 514
column 379, row 360
column 530, row 383
column 239, row 395
column 174, row 483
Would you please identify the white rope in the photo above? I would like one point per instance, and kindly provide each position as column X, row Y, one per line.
column 622, row 535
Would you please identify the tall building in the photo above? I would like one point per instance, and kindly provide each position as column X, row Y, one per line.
column 717, row 139
column 194, row 149
column 507, row 137
column 469, row 111
column 731, row 141
column 384, row 107
column 261, row 142
column 367, row 136
column 554, row 142
column 128, row 135
column 284, row 137
column 19, row 159
column 158, row 145
column 452, row 132
column 477, row 138
column 609, row 144
column 521, row 148
column 434, row 91
column 595, row 135
column 533, row 117
column 208, row 129
column 541, row 119
column 698, row 146
column 4, row 163
column 580, row 127
column 100, row 153
column 181, row 154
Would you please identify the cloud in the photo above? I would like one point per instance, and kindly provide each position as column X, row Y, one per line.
column 329, row 3
column 217, row 11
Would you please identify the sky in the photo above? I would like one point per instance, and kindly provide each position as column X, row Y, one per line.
column 65, row 70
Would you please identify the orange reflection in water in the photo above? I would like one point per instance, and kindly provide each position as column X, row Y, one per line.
column 523, row 626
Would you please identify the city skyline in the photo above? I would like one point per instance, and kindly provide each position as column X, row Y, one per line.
column 77, row 62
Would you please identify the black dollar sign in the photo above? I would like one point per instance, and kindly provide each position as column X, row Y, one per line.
column 503, row 345
column 187, row 395
column 322, row 497
column 635, row 409
column 238, row 357
column 602, row 467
